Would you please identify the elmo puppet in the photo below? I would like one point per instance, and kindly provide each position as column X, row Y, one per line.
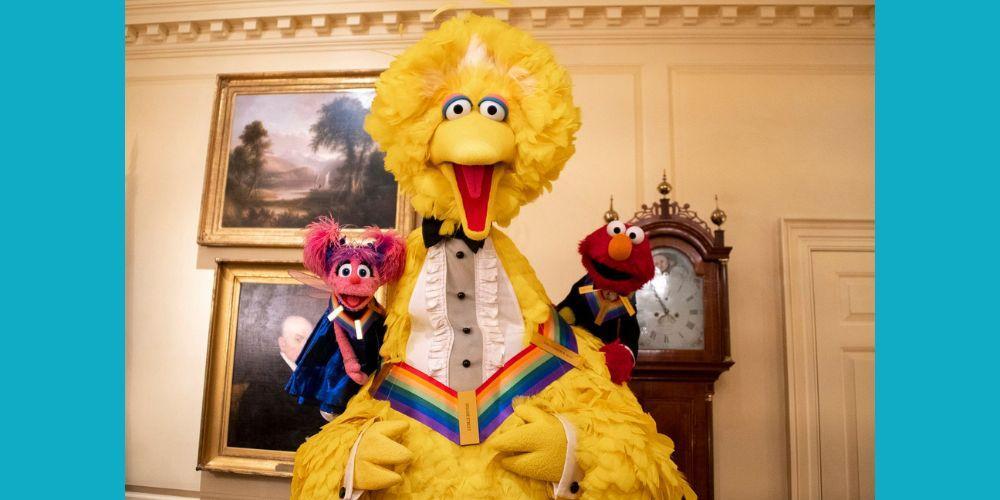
column 618, row 261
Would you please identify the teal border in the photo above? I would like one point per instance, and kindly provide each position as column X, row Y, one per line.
column 936, row 294
column 64, row 273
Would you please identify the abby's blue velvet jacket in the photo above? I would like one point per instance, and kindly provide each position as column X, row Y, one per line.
column 319, row 377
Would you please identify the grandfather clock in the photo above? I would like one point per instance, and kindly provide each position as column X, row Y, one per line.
column 683, row 318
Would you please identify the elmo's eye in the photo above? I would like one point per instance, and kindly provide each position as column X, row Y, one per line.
column 616, row 227
column 344, row 270
column 457, row 107
column 363, row 271
column 636, row 234
column 493, row 108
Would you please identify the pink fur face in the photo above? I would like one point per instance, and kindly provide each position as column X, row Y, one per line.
column 353, row 270
column 354, row 283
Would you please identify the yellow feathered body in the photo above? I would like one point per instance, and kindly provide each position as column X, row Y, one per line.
column 618, row 448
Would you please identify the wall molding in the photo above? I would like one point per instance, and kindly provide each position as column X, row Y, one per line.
column 168, row 29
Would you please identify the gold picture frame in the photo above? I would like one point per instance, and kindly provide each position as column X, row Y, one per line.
column 272, row 216
column 245, row 411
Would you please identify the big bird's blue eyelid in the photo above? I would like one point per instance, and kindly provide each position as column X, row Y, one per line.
column 456, row 97
column 500, row 102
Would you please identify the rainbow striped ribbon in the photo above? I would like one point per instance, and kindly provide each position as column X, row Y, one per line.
column 470, row 417
column 357, row 325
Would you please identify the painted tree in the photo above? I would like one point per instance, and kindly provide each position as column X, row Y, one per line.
column 340, row 128
column 246, row 161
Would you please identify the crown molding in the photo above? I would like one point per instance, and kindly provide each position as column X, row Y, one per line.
column 158, row 28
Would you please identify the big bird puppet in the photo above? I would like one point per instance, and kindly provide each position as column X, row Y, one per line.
column 484, row 391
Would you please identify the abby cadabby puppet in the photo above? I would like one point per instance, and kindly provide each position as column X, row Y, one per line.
column 343, row 349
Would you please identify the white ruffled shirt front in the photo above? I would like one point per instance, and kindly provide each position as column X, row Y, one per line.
column 498, row 319
column 497, row 314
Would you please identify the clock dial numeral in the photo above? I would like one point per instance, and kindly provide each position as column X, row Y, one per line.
column 690, row 325
column 689, row 299
column 695, row 311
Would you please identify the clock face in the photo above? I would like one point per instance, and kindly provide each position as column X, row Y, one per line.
column 670, row 306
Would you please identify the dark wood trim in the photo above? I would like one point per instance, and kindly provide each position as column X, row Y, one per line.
column 677, row 386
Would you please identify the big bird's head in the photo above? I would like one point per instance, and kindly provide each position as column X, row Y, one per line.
column 476, row 120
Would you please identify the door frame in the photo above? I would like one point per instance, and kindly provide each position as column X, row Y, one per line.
column 799, row 239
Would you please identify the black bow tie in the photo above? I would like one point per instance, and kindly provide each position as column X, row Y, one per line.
column 431, row 229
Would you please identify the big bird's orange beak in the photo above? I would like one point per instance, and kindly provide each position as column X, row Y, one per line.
column 472, row 152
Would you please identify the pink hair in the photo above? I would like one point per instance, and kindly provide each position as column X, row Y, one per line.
column 324, row 248
column 391, row 250
column 322, row 238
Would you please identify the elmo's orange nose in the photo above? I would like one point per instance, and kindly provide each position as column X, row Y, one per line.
column 620, row 247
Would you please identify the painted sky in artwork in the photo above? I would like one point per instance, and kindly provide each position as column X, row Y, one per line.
column 287, row 118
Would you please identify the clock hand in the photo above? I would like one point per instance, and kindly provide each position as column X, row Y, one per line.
column 662, row 302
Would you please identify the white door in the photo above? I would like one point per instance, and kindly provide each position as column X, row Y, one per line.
column 830, row 328
column 844, row 284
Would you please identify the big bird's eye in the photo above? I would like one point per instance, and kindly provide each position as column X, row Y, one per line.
column 457, row 107
column 363, row 271
column 615, row 228
column 344, row 270
column 636, row 234
column 493, row 108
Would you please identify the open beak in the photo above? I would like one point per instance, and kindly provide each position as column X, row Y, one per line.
column 473, row 152
column 474, row 187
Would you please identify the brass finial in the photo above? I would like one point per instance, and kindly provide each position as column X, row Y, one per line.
column 718, row 216
column 611, row 215
column 664, row 187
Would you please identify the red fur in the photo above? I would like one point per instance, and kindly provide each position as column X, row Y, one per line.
column 619, row 360
column 639, row 265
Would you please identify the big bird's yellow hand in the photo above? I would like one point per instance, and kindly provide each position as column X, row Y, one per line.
column 536, row 449
column 378, row 451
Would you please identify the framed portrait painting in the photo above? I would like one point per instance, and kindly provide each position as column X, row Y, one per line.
column 261, row 319
column 287, row 148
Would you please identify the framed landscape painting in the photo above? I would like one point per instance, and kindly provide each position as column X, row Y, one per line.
column 287, row 148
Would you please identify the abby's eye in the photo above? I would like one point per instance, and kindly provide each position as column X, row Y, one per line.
column 493, row 108
column 636, row 234
column 457, row 107
column 616, row 227
column 363, row 271
column 344, row 270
